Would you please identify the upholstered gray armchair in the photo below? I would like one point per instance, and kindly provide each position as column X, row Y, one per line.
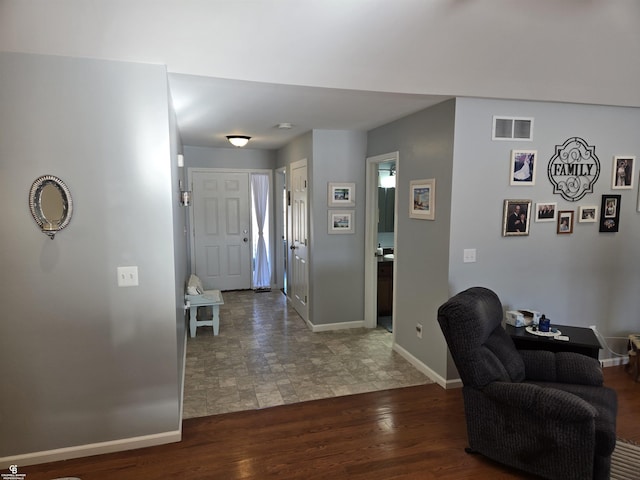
column 542, row 412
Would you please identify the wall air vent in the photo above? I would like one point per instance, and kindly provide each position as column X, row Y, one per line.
column 512, row 128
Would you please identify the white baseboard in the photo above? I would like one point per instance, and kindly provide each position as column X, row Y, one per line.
column 612, row 362
column 91, row 449
column 336, row 326
column 446, row 384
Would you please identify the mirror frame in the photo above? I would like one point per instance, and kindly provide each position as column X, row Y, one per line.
column 35, row 204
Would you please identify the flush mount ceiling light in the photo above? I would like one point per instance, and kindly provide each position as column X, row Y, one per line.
column 238, row 140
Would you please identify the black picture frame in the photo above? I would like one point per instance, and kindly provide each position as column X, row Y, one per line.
column 610, row 213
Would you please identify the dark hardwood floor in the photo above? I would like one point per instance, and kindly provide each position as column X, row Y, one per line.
column 410, row 433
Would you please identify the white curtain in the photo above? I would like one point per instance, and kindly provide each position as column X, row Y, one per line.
column 262, row 268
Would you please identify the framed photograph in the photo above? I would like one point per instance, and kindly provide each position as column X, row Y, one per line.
column 588, row 214
column 523, row 167
column 341, row 221
column 565, row 222
column 341, row 194
column 515, row 218
column 610, row 213
column 422, row 199
column 623, row 172
column 546, row 212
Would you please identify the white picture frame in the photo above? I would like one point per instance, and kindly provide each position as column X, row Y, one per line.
column 588, row 214
column 341, row 194
column 623, row 172
column 523, row 167
column 422, row 199
column 340, row 222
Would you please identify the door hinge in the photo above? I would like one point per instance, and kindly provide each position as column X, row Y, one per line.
column 305, row 299
column 305, row 184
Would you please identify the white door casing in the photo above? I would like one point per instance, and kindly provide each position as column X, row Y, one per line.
column 371, row 236
column 221, row 223
column 299, row 244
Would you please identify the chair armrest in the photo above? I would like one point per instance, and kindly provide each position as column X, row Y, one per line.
column 544, row 403
column 562, row 367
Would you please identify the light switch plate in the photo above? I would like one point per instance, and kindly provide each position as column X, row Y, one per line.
column 469, row 255
column 127, row 276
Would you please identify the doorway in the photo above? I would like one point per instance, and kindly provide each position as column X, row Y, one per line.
column 230, row 225
column 221, row 229
column 373, row 238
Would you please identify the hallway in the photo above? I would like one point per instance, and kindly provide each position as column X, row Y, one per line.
column 265, row 355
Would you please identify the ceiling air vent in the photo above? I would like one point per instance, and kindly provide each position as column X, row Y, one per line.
column 512, row 128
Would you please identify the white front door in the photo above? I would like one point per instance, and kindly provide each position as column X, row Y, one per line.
column 221, row 229
column 299, row 239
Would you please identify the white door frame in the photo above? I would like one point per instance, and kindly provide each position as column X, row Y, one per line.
column 192, row 239
column 281, row 226
column 371, row 240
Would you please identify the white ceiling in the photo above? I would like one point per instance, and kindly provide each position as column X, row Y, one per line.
column 242, row 66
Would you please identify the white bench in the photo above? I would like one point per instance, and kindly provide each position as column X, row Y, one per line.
column 196, row 297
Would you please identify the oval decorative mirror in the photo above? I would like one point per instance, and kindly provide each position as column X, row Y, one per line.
column 50, row 204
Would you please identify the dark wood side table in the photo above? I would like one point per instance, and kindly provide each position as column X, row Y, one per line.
column 581, row 340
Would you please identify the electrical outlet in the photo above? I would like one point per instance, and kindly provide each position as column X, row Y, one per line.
column 127, row 276
column 418, row 330
column 469, row 255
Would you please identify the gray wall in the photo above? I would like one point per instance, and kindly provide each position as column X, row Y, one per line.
column 586, row 278
column 336, row 262
column 82, row 360
column 241, row 158
column 180, row 246
column 425, row 144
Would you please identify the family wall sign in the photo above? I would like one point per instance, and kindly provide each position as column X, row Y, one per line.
column 574, row 169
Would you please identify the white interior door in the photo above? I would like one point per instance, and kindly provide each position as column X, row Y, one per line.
column 221, row 229
column 299, row 239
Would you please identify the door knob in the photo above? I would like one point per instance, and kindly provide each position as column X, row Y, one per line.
column 245, row 239
column 293, row 247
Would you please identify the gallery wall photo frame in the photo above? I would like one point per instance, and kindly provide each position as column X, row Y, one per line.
column 546, row 211
column 523, row 167
column 588, row 214
column 516, row 218
column 422, row 199
column 623, row 172
column 565, row 222
column 610, row 213
column 341, row 222
column 341, row 194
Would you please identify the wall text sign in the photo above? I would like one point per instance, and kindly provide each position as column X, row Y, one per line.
column 574, row 169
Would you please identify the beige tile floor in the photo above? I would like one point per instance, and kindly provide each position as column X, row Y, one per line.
column 265, row 355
